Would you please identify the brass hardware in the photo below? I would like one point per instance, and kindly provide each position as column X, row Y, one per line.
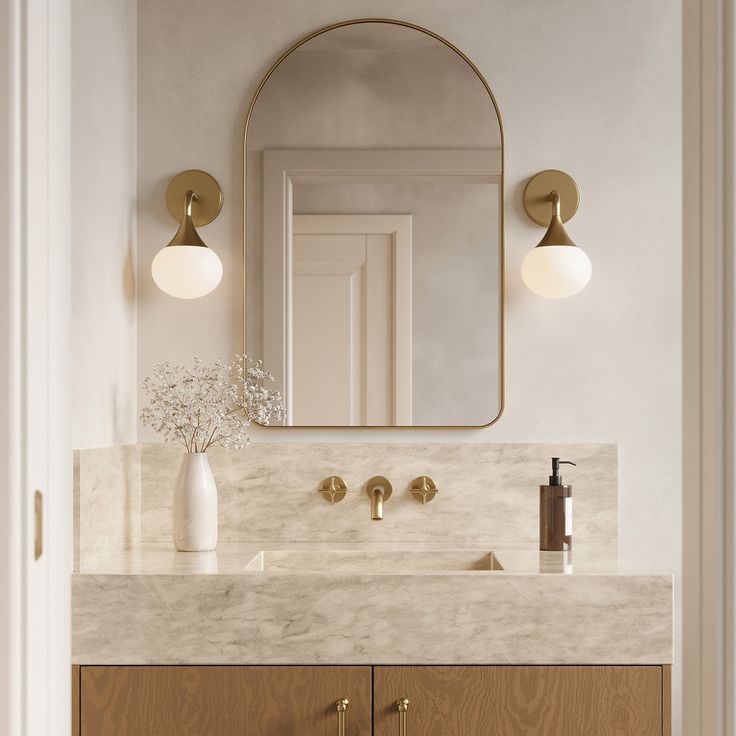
column 334, row 489
column 501, row 245
column 379, row 489
column 402, row 704
column 538, row 200
column 207, row 201
column 186, row 268
column 556, row 268
column 38, row 524
column 194, row 198
column 187, row 234
column 424, row 487
column 342, row 706
column 556, row 233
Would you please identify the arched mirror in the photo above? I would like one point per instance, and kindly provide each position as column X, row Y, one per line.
column 374, row 231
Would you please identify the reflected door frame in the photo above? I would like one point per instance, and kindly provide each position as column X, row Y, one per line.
column 282, row 168
column 398, row 227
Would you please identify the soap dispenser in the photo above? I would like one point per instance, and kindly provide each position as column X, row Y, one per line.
column 555, row 512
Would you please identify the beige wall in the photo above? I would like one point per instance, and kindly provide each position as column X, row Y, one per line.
column 591, row 88
column 103, row 219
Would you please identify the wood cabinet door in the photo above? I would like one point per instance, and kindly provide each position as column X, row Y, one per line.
column 223, row 700
column 519, row 701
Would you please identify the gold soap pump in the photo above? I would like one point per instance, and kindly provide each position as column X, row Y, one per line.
column 555, row 512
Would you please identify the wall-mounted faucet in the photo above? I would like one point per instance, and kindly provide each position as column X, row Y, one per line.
column 379, row 490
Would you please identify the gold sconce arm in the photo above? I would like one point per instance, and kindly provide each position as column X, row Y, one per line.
column 187, row 234
column 189, row 198
column 554, row 195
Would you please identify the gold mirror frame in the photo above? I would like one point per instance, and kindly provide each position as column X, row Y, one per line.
column 502, row 245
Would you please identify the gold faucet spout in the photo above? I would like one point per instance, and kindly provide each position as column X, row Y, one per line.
column 377, row 504
column 379, row 490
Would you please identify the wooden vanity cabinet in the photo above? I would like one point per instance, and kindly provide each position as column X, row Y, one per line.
column 222, row 700
column 301, row 700
column 528, row 700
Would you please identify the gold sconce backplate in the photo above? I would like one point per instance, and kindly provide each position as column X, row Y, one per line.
column 537, row 202
column 424, row 488
column 208, row 202
column 334, row 489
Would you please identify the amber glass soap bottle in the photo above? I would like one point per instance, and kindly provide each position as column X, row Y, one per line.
column 555, row 512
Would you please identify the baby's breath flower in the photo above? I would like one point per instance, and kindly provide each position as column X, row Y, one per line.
column 202, row 406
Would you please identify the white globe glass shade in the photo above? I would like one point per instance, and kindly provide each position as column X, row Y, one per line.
column 186, row 271
column 556, row 271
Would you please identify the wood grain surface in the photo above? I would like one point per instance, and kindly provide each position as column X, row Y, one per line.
column 223, row 700
column 667, row 700
column 520, row 701
column 75, row 699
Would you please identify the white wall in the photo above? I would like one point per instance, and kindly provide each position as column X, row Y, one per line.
column 591, row 88
column 103, row 220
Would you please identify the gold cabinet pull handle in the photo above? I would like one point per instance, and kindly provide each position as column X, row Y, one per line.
column 342, row 706
column 402, row 705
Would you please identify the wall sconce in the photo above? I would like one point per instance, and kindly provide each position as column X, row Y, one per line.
column 186, row 268
column 556, row 268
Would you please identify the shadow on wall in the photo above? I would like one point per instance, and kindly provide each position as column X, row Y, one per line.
column 129, row 266
column 122, row 407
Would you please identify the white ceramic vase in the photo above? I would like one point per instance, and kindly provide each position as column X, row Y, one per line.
column 195, row 505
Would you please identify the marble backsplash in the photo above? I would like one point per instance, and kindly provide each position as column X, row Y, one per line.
column 107, row 502
column 269, row 492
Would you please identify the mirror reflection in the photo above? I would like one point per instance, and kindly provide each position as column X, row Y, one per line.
column 373, row 192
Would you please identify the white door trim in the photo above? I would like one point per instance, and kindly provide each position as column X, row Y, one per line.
column 35, row 451
column 283, row 168
column 399, row 227
column 709, row 522
column 12, row 610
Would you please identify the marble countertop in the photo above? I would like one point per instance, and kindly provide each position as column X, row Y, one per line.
column 371, row 603
column 233, row 558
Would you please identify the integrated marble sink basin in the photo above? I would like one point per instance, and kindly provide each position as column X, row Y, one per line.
column 374, row 561
column 273, row 603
